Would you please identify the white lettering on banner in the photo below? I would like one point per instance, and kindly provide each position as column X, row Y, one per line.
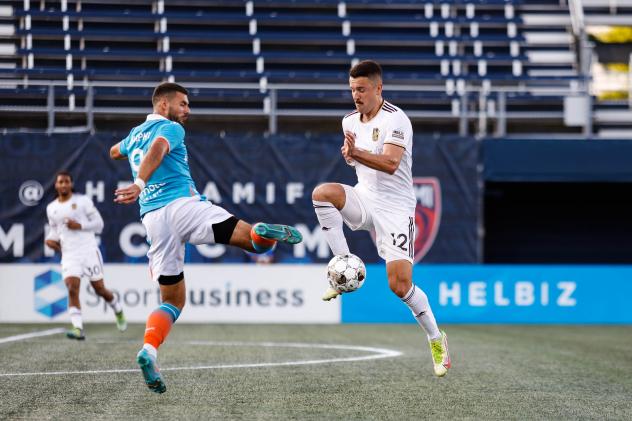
column 293, row 192
column 13, row 238
column 95, row 192
column 244, row 191
column 565, row 299
column 524, row 294
column 212, row 193
column 270, row 193
column 499, row 299
column 544, row 293
column 311, row 240
column 125, row 240
column 477, row 294
column 211, row 251
column 453, row 293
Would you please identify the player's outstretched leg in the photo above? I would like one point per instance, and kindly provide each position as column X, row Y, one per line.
column 158, row 326
column 440, row 354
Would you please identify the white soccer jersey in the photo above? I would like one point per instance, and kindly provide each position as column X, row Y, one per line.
column 390, row 125
column 81, row 209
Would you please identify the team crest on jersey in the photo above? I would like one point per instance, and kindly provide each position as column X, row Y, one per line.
column 427, row 214
column 376, row 134
column 74, row 206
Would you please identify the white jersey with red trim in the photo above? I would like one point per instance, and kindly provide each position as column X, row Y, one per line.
column 81, row 209
column 390, row 125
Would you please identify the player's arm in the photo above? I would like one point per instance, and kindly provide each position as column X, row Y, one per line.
column 94, row 222
column 52, row 238
column 388, row 161
column 151, row 161
column 115, row 152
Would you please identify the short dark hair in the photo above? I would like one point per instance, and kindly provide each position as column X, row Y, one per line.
column 63, row 173
column 166, row 88
column 366, row 68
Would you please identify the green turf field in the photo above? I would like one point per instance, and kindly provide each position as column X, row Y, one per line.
column 499, row 372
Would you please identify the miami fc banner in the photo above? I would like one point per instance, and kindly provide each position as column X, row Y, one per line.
column 255, row 178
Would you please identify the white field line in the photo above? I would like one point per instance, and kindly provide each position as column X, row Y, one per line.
column 31, row 335
column 376, row 353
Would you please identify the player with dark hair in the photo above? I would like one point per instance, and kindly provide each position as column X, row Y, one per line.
column 74, row 221
column 174, row 213
column 378, row 140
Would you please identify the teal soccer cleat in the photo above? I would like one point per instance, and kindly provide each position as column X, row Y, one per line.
column 151, row 372
column 283, row 233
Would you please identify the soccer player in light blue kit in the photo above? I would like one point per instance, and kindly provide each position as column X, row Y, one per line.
column 174, row 213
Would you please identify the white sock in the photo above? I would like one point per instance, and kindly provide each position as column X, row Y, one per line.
column 75, row 317
column 152, row 351
column 114, row 304
column 330, row 221
column 417, row 301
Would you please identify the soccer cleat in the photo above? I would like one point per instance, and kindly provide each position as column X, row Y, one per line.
column 440, row 355
column 75, row 333
column 121, row 323
column 330, row 294
column 282, row 233
column 151, row 372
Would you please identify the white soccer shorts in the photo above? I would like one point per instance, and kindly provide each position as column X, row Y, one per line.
column 185, row 220
column 393, row 231
column 88, row 265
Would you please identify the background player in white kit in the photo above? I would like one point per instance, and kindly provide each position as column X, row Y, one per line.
column 378, row 140
column 73, row 221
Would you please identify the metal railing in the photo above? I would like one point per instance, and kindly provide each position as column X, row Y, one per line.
column 481, row 105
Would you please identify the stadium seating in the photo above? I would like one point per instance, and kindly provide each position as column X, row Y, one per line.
column 458, row 56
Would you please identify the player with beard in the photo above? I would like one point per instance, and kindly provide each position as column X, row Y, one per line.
column 174, row 213
column 74, row 221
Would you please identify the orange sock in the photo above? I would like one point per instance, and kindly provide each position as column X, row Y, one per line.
column 159, row 324
column 259, row 243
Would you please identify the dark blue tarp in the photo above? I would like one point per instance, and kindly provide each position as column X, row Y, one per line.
column 282, row 170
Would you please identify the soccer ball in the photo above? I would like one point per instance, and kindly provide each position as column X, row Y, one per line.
column 346, row 273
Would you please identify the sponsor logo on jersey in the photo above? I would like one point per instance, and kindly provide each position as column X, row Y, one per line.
column 50, row 294
column 427, row 214
column 376, row 134
column 398, row 134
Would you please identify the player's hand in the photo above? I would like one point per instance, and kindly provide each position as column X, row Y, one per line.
column 73, row 225
column 348, row 146
column 127, row 195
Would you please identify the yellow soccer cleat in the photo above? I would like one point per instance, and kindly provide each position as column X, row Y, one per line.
column 330, row 294
column 440, row 355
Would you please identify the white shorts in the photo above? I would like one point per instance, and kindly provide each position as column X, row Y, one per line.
column 393, row 231
column 185, row 220
column 88, row 265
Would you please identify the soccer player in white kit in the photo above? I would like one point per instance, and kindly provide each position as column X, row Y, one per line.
column 74, row 221
column 378, row 140
column 174, row 213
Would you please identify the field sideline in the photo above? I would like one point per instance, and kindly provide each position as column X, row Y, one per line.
column 499, row 372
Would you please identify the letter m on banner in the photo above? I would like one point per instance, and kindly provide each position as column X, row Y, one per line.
column 427, row 214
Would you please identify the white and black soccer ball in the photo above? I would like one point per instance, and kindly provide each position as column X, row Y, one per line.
column 346, row 273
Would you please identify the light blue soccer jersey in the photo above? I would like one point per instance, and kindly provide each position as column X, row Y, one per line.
column 172, row 179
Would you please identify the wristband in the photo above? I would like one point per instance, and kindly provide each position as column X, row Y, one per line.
column 140, row 183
